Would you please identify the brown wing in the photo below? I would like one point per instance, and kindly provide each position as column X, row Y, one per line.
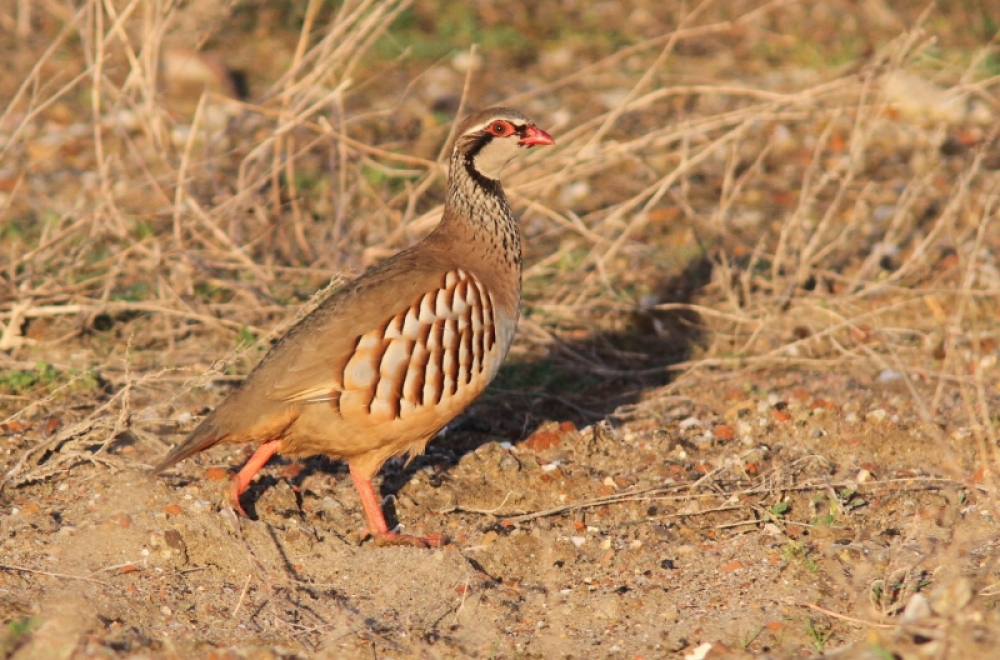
column 418, row 354
column 300, row 365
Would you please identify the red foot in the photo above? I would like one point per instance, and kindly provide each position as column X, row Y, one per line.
column 377, row 529
column 242, row 480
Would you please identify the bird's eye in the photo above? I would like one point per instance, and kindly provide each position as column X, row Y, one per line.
column 501, row 129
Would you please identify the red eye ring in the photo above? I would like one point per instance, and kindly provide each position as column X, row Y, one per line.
column 501, row 129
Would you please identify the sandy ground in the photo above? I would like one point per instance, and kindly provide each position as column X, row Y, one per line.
column 788, row 516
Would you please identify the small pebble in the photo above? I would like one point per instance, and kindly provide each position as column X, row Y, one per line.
column 507, row 463
column 699, row 653
column 889, row 375
column 200, row 506
column 578, row 540
column 704, row 440
column 174, row 539
column 917, row 608
column 689, row 423
column 877, row 415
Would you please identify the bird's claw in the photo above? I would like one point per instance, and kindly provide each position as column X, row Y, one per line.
column 392, row 538
column 234, row 500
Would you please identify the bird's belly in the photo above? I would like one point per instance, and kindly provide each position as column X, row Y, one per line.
column 350, row 428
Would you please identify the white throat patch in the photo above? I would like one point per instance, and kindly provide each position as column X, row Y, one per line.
column 492, row 158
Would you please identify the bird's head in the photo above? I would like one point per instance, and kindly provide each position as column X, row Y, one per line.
column 490, row 139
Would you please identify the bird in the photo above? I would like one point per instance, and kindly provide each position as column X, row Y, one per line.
column 388, row 360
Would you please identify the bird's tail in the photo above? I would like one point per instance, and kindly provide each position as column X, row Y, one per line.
column 204, row 436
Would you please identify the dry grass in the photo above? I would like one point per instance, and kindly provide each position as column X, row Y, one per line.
column 812, row 220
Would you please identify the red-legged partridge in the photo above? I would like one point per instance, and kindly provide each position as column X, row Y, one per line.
column 382, row 365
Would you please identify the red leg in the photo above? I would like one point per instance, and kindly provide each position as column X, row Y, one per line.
column 377, row 528
column 250, row 470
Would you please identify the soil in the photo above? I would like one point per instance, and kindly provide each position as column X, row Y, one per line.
column 776, row 516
